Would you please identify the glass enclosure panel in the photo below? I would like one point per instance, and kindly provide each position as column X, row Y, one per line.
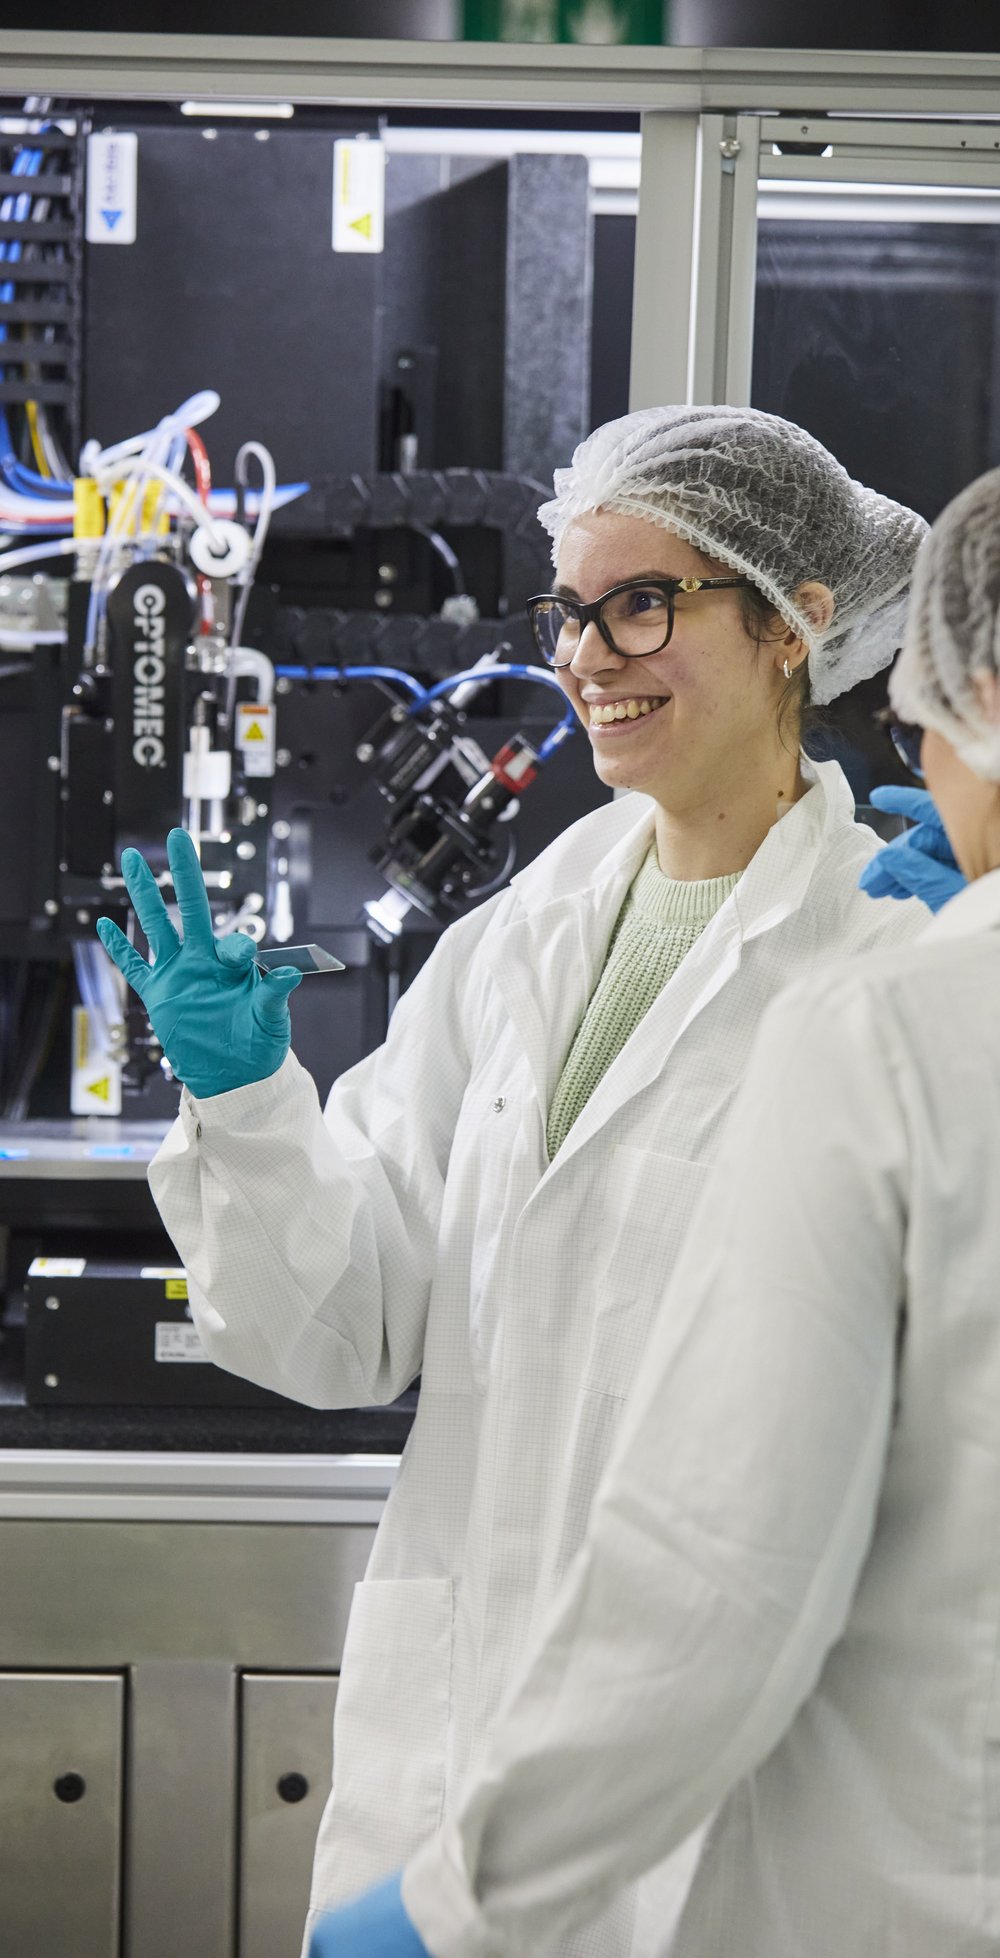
column 877, row 328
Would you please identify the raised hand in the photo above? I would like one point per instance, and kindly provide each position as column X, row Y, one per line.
column 921, row 862
column 221, row 1023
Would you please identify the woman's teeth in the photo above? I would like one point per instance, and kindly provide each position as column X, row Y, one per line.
column 623, row 710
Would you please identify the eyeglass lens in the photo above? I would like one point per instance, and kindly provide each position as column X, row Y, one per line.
column 636, row 621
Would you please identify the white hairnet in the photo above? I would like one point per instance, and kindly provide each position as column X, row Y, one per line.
column 948, row 675
column 766, row 498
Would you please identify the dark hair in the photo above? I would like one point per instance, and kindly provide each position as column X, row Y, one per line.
column 762, row 622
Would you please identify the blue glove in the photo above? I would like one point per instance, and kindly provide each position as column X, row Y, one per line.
column 376, row 1926
column 919, row 863
column 220, row 1022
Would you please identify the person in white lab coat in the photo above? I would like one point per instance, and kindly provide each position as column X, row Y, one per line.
column 788, row 1600
column 496, row 1198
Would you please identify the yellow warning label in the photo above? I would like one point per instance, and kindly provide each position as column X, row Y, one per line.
column 101, row 1088
column 176, row 1288
column 254, row 732
column 364, row 225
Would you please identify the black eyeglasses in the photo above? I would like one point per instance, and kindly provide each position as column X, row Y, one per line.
column 906, row 738
column 634, row 619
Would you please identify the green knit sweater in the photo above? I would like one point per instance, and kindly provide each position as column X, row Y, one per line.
column 659, row 922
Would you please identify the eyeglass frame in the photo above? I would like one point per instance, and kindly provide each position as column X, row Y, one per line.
column 591, row 614
column 902, row 735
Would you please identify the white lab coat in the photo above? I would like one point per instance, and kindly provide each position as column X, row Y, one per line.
column 418, row 1227
column 791, row 1583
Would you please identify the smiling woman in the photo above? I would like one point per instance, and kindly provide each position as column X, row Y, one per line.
column 496, row 1198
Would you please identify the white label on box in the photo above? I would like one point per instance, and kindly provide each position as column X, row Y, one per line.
column 162, row 1271
column 57, row 1267
column 178, row 1343
column 255, row 737
column 112, row 176
column 358, row 195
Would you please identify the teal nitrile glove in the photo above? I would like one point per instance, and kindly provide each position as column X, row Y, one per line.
column 375, row 1926
column 221, row 1023
column 920, row 863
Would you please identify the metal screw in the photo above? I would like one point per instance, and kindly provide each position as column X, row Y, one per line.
column 107, row 870
column 387, row 573
column 83, row 917
column 52, row 1304
column 383, row 599
column 53, row 762
column 51, row 908
column 63, row 867
column 364, row 751
column 109, row 726
column 283, row 757
column 281, row 829
column 262, row 810
column 730, row 146
column 282, row 684
column 293, row 1787
column 69, row 1788
column 108, row 798
column 52, row 1380
column 245, row 851
column 262, row 135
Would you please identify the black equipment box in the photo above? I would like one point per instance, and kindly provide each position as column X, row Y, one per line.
column 118, row 1333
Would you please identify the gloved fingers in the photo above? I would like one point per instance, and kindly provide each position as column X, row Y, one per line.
column 129, row 962
column 915, row 804
column 271, row 996
column 189, row 888
column 913, row 875
column 931, row 840
column 877, row 878
column 236, row 950
column 148, row 905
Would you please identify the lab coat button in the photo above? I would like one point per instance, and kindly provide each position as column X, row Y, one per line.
column 499, row 1105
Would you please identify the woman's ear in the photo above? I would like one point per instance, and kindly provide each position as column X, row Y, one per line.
column 817, row 602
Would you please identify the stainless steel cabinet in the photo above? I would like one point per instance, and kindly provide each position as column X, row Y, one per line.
column 286, row 1731
column 61, row 1740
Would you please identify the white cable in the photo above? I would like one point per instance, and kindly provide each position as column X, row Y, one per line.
column 269, row 475
column 246, row 660
column 58, row 547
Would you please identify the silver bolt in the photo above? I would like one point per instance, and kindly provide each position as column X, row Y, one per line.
column 282, row 684
column 730, row 147
column 283, row 757
column 245, row 851
column 107, row 870
column 262, row 135
column 281, row 829
column 364, row 751
column 51, row 908
column 399, row 714
column 52, row 1304
column 52, row 1380
column 109, row 727
column 108, row 798
column 63, row 867
column 262, row 810
column 383, row 600
column 83, row 917
column 388, row 573
column 53, row 762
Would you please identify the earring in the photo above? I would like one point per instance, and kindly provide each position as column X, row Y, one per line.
column 787, row 671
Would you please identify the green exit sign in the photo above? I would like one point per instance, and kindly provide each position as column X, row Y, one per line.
column 591, row 23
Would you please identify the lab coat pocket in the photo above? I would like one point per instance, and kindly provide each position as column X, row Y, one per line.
column 390, row 1732
column 649, row 1200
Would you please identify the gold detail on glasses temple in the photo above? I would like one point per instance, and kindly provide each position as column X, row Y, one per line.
column 690, row 584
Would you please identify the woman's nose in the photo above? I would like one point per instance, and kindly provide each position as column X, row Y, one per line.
column 593, row 654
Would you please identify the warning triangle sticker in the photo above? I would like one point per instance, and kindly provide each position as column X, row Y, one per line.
column 102, row 1088
column 254, row 732
column 364, row 225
